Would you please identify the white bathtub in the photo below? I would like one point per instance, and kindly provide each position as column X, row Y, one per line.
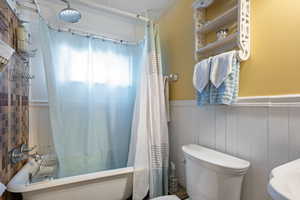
column 105, row 185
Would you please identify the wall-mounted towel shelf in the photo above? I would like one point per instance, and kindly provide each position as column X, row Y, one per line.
column 219, row 46
column 239, row 14
column 223, row 20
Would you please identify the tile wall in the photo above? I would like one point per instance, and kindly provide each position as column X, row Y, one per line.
column 14, row 91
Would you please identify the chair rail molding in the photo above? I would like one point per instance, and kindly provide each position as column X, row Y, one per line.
column 290, row 100
column 39, row 103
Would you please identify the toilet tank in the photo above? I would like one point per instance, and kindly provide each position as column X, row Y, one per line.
column 211, row 175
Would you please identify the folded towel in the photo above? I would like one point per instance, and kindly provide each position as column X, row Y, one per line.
column 221, row 67
column 201, row 75
column 167, row 97
column 201, row 81
column 2, row 189
column 227, row 91
column 5, row 50
column 203, row 98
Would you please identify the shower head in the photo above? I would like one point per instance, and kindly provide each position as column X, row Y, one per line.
column 69, row 14
column 203, row 3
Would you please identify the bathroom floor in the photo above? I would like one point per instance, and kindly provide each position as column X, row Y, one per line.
column 181, row 193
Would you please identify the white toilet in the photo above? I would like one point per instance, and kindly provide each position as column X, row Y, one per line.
column 211, row 175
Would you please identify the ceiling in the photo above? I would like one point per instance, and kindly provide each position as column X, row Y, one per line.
column 95, row 20
column 155, row 8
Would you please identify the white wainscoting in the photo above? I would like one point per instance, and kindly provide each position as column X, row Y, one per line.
column 265, row 136
column 39, row 126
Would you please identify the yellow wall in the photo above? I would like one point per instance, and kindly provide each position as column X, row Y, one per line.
column 274, row 67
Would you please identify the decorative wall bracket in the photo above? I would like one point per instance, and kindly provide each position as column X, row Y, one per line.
column 244, row 29
column 239, row 15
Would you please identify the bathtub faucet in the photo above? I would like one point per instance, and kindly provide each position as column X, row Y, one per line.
column 37, row 157
column 21, row 153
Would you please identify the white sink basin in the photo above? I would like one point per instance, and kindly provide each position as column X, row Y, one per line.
column 285, row 181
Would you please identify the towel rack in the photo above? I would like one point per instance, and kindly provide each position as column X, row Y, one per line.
column 172, row 77
column 240, row 40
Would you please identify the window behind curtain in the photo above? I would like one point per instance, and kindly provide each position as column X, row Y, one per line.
column 93, row 66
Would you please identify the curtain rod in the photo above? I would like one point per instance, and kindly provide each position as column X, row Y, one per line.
column 85, row 34
column 118, row 11
column 112, row 10
column 82, row 33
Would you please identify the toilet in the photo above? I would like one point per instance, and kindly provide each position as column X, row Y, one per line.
column 211, row 175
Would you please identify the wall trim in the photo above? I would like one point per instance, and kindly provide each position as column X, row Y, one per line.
column 292, row 100
column 38, row 103
column 272, row 98
column 183, row 103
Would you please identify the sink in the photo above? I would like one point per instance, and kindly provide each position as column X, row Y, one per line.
column 284, row 182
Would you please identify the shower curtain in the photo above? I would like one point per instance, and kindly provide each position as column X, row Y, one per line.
column 91, row 90
column 149, row 151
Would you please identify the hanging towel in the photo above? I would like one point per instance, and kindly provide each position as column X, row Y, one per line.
column 167, row 97
column 224, row 78
column 201, row 74
column 2, row 189
column 203, row 98
column 201, row 81
column 221, row 67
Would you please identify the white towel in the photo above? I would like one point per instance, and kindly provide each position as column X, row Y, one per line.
column 5, row 50
column 221, row 67
column 167, row 97
column 201, row 74
column 227, row 91
column 2, row 189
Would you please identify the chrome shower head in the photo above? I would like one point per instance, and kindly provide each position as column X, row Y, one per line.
column 203, row 3
column 69, row 14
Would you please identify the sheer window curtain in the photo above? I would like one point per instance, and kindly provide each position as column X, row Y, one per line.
column 149, row 151
column 91, row 88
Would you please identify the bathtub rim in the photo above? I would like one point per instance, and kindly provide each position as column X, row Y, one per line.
column 19, row 184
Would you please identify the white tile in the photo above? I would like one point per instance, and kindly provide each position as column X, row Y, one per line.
column 183, row 131
column 258, row 121
column 278, row 136
column 205, row 119
column 231, row 131
column 221, row 127
column 40, row 129
column 294, row 133
column 244, row 137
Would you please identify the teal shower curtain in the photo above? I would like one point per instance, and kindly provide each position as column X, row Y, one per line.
column 107, row 107
column 92, row 89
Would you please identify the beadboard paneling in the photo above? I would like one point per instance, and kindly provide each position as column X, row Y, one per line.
column 267, row 137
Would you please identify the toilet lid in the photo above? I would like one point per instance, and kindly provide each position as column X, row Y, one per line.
column 215, row 158
column 171, row 197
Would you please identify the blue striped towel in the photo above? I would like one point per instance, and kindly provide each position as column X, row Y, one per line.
column 227, row 92
column 201, row 81
column 203, row 98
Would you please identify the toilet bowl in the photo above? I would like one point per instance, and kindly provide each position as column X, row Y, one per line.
column 212, row 175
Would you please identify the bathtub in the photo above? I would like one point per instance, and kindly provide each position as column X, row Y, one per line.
column 105, row 185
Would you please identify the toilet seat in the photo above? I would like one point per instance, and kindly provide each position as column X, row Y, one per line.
column 169, row 197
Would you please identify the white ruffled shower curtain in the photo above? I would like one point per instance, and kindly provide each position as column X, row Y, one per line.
column 149, row 152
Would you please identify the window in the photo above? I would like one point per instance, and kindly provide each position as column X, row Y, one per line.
column 95, row 67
